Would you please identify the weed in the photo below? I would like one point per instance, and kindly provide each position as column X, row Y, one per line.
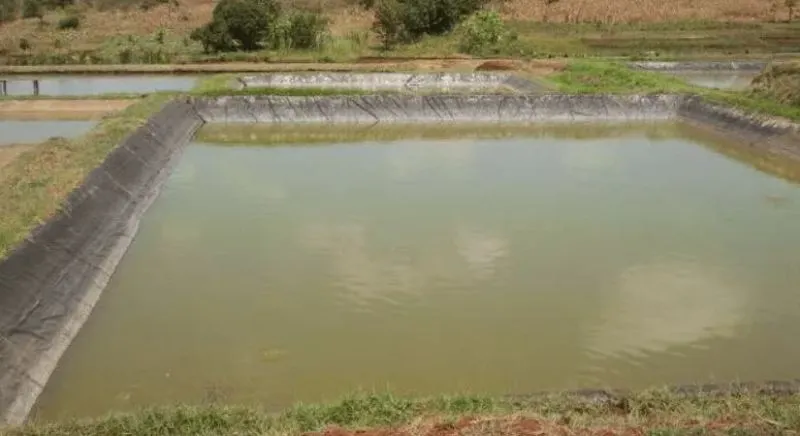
column 69, row 22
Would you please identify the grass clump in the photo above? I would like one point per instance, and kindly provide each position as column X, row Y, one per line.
column 33, row 186
column 484, row 33
column 780, row 82
column 652, row 412
column 69, row 22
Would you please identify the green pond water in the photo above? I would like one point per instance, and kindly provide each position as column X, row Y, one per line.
column 544, row 261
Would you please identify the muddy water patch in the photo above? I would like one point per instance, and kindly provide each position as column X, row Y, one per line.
column 497, row 265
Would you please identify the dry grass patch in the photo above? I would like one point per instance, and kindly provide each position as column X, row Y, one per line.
column 639, row 11
column 10, row 152
column 60, row 109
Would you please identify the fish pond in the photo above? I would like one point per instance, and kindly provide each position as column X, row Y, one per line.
column 503, row 261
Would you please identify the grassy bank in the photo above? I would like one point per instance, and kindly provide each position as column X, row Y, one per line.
column 34, row 184
column 650, row 413
column 598, row 77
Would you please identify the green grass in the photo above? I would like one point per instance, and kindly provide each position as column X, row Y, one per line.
column 33, row 186
column 651, row 412
column 603, row 77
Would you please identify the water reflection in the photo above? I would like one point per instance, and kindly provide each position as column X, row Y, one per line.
column 733, row 80
column 666, row 304
column 77, row 85
column 513, row 265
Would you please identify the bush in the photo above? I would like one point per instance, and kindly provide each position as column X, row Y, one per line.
column 70, row 22
column 32, row 9
column 409, row 20
column 247, row 21
column 8, row 10
column 215, row 37
column 238, row 24
column 389, row 23
column 306, row 29
column 24, row 44
column 483, row 32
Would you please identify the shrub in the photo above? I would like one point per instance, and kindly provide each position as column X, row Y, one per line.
column 237, row 24
column 247, row 21
column 483, row 32
column 389, row 23
column 409, row 20
column 70, row 22
column 215, row 37
column 24, row 44
column 8, row 10
column 306, row 29
column 32, row 9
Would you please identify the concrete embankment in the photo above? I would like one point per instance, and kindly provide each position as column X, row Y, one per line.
column 50, row 283
column 437, row 109
column 764, row 133
column 440, row 82
column 757, row 132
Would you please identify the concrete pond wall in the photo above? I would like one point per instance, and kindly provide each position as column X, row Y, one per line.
column 51, row 282
column 441, row 82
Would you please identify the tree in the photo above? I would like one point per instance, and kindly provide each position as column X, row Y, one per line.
column 32, row 9
column 8, row 10
column 247, row 22
column 214, row 37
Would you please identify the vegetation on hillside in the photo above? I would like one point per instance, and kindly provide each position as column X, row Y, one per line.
column 159, row 31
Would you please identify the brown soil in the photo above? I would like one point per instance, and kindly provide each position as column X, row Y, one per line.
column 60, row 109
column 10, row 152
column 526, row 426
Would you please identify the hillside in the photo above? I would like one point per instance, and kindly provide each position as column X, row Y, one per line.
column 155, row 31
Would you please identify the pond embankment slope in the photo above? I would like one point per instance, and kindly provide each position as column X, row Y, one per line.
column 49, row 283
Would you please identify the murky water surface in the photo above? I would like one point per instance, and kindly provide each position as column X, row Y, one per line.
column 734, row 80
column 77, row 85
column 28, row 132
column 513, row 265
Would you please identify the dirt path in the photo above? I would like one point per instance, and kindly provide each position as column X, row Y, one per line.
column 60, row 109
